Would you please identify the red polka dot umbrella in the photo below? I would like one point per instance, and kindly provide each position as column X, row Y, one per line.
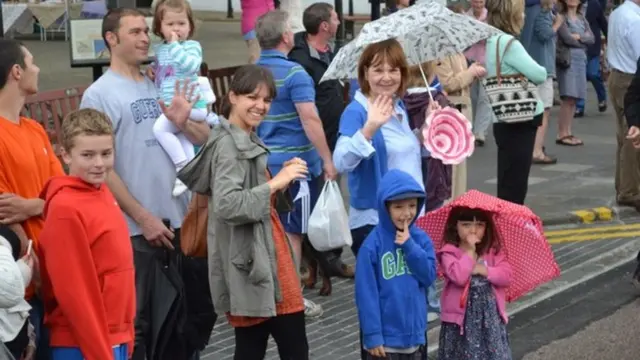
column 520, row 234
column 448, row 136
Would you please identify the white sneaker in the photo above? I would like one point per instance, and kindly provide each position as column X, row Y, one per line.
column 179, row 188
column 312, row 310
column 206, row 91
column 431, row 317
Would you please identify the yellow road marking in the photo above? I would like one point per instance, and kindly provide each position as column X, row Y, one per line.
column 587, row 216
column 596, row 236
column 598, row 229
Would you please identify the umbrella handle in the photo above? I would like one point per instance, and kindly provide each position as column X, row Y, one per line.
column 465, row 294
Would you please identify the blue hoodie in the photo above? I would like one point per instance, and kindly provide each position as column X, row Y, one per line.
column 391, row 280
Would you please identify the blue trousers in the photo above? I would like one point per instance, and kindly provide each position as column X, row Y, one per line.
column 36, row 315
column 595, row 77
column 64, row 353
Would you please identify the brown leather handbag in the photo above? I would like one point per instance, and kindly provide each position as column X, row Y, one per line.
column 193, row 234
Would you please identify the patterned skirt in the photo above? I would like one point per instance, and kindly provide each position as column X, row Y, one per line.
column 485, row 334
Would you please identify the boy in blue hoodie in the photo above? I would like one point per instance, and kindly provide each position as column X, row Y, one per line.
column 395, row 266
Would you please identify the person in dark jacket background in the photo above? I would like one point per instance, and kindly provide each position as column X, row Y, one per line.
column 312, row 49
column 598, row 24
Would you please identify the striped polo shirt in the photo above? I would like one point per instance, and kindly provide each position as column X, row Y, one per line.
column 281, row 130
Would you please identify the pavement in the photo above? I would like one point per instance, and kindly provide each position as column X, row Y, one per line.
column 572, row 197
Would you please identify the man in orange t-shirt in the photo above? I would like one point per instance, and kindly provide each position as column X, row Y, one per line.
column 27, row 161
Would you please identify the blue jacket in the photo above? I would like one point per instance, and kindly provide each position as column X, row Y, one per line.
column 391, row 280
column 363, row 180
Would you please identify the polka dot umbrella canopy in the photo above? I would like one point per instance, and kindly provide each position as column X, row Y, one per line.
column 517, row 228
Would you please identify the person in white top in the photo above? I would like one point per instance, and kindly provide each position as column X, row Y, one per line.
column 623, row 51
column 15, row 275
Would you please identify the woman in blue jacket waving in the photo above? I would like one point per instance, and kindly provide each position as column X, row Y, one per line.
column 375, row 135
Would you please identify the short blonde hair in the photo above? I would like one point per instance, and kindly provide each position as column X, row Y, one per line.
column 84, row 122
column 415, row 75
column 178, row 5
column 388, row 51
column 506, row 15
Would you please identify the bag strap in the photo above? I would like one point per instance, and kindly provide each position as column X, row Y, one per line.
column 498, row 63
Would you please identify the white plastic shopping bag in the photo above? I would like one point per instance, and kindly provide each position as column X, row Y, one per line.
column 329, row 222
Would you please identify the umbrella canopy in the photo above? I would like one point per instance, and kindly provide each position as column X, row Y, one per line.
column 520, row 234
column 427, row 31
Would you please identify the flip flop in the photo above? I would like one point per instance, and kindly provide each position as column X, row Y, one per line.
column 566, row 141
column 544, row 160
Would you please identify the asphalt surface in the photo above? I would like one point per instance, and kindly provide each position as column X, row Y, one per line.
column 598, row 319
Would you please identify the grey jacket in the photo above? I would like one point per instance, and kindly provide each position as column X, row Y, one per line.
column 232, row 166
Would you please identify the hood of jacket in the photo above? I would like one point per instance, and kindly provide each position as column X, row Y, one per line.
column 58, row 184
column 393, row 184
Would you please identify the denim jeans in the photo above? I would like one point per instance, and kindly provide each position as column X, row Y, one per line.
column 595, row 77
column 36, row 314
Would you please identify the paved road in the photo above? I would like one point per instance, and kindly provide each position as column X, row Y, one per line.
column 335, row 336
column 598, row 319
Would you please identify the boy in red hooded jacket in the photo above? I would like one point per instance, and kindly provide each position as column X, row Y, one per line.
column 87, row 261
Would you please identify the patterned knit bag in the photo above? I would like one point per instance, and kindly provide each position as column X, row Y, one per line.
column 513, row 99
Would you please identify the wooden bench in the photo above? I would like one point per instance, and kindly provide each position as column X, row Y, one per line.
column 220, row 81
column 350, row 24
column 50, row 107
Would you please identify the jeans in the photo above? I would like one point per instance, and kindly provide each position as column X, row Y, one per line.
column 433, row 302
column 595, row 77
column 36, row 315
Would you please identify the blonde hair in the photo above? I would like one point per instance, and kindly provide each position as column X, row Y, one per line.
column 177, row 5
column 506, row 15
column 84, row 122
column 415, row 75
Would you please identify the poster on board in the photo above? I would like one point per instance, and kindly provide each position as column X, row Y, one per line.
column 87, row 48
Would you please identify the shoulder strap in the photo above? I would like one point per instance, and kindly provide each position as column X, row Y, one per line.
column 498, row 63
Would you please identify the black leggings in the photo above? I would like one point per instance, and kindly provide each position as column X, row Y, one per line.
column 288, row 331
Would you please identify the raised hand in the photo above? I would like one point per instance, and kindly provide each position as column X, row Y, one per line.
column 403, row 236
column 379, row 112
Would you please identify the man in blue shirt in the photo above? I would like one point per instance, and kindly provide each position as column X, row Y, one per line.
column 292, row 128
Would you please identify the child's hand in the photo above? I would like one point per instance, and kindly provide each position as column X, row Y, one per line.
column 403, row 236
column 480, row 269
column 150, row 73
column 377, row 352
column 174, row 37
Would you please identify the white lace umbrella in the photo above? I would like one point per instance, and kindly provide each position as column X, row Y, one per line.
column 427, row 31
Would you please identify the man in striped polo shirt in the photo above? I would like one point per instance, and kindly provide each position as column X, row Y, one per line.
column 292, row 128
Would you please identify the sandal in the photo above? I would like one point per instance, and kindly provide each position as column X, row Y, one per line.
column 569, row 140
column 544, row 160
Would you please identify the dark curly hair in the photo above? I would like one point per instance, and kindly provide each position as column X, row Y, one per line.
column 489, row 240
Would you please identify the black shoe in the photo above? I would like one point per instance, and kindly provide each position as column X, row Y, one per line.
column 479, row 143
column 635, row 279
column 602, row 106
column 578, row 114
